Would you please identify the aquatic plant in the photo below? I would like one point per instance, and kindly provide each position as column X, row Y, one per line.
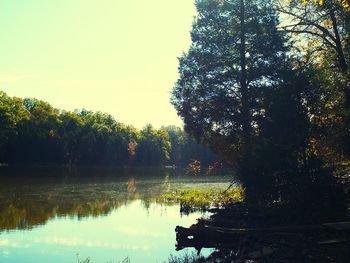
column 200, row 199
column 187, row 258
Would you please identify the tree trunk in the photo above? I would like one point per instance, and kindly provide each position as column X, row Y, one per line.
column 339, row 48
column 343, row 65
column 245, row 164
column 243, row 79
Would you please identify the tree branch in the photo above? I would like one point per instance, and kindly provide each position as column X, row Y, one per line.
column 312, row 33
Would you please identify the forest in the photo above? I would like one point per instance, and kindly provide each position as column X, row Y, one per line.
column 34, row 133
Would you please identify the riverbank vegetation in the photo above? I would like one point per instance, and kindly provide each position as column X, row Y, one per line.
column 203, row 200
column 273, row 105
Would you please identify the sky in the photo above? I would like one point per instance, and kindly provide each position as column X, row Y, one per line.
column 114, row 56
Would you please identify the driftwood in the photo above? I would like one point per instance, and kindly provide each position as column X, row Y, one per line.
column 333, row 241
column 206, row 236
column 203, row 238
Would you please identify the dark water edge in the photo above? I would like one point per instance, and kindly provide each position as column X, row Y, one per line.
column 49, row 170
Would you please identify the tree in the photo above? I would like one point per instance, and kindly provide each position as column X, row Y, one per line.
column 7, row 121
column 32, row 131
column 184, row 149
column 235, row 55
column 177, row 139
column 153, row 146
column 326, row 28
column 38, row 138
column 70, row 130
column 11, row 113
column 323, row 32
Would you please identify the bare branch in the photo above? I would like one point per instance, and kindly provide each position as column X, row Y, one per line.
column 314, row 34
column 306, row 21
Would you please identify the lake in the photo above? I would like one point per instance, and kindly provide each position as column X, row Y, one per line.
column 56, row 215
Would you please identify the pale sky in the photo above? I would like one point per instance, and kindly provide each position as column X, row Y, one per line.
column 114, row 56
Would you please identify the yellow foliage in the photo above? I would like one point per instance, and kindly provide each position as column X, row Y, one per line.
column 345, row 3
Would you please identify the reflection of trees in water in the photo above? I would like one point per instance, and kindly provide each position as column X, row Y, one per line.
column 28, row 197
column 26, row 207
column 131, row 185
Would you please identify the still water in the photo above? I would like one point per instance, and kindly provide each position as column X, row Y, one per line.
column 55, row 215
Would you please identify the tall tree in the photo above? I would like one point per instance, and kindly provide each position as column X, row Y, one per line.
column 323, row 32
column 235, row 55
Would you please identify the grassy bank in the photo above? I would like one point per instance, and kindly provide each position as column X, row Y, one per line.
column 202, row 200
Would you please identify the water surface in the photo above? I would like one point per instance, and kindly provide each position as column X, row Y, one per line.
column 53, row 215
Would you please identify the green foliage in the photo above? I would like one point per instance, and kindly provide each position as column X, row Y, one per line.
column 153, row 146
column 240, row 91
column 323, row 33
column 208, row 93
column 236, row 59
column 185, row 149
column 198, row 199
column 280, row 150
column 7, row 121
column 34, row 132
column 11, row 114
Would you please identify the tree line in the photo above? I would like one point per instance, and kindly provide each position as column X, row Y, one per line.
column 267, row 85
column 34, row 132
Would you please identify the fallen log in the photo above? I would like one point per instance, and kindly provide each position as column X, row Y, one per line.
column 205, row 236
column 200, row 238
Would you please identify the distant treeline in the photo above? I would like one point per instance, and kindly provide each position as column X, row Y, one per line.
column 33, row 132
